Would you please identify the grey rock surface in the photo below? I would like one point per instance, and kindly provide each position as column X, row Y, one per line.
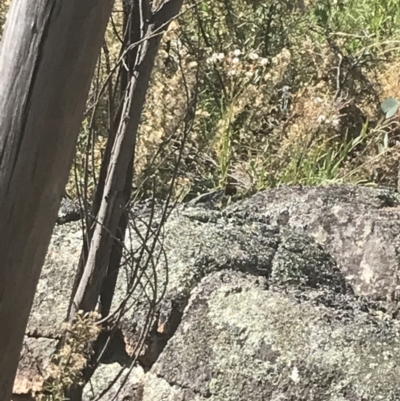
column 197, row 242
column 34, row 361
column 304, row 249
column 112, row 380
column 69, row 211
column 53, row 292
column 241, row 341
column 358, row 226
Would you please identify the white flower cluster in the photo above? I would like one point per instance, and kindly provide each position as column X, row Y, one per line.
column 215, row 57
column 218, row 57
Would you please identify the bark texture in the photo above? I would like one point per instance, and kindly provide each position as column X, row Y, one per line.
column 47, row 58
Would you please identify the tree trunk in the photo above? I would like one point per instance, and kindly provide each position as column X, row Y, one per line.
column 131, row 27
column 112, row 204
column 47, row 58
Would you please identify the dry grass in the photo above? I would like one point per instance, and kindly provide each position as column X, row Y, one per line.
column 244, row 134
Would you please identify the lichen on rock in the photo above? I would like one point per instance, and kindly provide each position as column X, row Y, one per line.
column 284, row 296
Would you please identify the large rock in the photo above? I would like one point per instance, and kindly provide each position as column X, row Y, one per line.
column 241, row 340
column 303, row 245
column 358, row 226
